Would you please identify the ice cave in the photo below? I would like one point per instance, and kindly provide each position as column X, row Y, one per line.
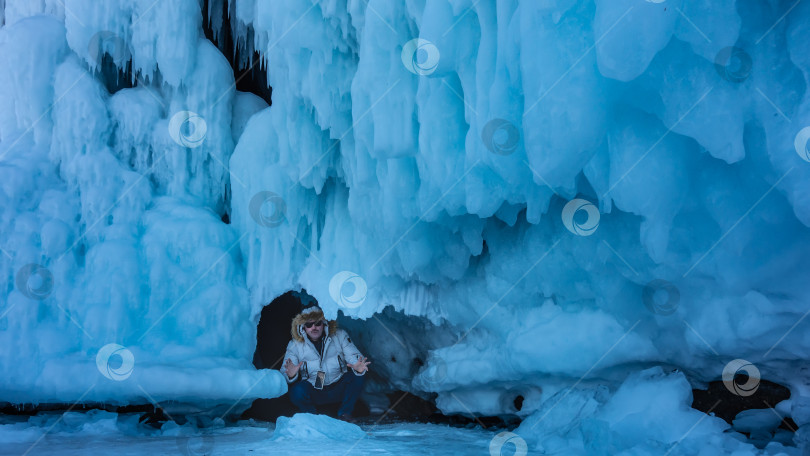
column 484, row 227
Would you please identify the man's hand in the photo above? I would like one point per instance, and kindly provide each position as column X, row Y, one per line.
column 292, row 369
column 361, row 365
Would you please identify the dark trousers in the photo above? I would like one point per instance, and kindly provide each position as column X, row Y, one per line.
column 345, row 391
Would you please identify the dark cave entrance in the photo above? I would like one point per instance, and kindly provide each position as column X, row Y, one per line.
column 273, row 331
column 379, row 401
column 272, row 337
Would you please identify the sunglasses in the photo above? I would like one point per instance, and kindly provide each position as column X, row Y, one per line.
column 309, row 324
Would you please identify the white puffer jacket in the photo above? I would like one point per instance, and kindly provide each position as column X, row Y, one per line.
column 338, row 350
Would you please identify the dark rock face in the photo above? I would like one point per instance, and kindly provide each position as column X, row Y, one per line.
column 248, row 72
column 724, row 404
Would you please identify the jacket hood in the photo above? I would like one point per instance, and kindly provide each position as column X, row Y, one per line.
column 297, row 329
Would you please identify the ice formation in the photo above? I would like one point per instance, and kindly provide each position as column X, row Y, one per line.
column 97, row 432
column 574, row 193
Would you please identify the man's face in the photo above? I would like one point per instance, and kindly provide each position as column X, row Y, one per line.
column 315, row 331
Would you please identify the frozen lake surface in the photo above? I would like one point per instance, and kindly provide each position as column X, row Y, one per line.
column 104, row 433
